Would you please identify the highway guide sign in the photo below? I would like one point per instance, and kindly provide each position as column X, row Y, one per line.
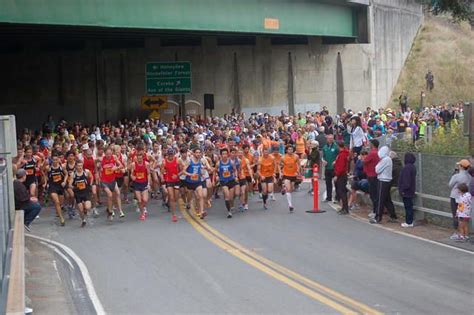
column 168, row 78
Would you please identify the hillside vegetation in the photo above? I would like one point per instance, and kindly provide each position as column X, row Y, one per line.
column 447, row 49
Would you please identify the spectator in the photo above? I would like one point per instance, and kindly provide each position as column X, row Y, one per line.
column 429, row 77
column 23, row 201
column 403, row 101
column 314, row 157
column 341, row 166
column 460, row 176
column 463, row 213
column 407, row 187
column 369, row 169
column 330, row 152
column 396, row 167
column 384, row 170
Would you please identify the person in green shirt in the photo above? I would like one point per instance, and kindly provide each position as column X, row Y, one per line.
column 330, row 152
column 422, row 128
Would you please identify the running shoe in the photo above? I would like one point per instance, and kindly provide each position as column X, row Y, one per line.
column 61, row 221
column 373, row 221
column 292, row 209
column 406, row 225
column 95, row 213
column 455, row 236
column 265, row 206
column 229, row 215
column 272, row 197
column 246, row 207
column 113, row 213
column 174, row 218
column 122, row 214
column 137, row 210
column 145, row 211
column 241, row 208
column 283, row 190
column 83, row 224
column 142, row 217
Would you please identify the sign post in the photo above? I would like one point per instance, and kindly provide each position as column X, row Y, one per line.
column 168, row 78
column 316, row 208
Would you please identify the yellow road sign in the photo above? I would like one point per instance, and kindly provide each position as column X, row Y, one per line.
column 154, row 102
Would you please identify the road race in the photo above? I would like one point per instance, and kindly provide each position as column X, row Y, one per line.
column 223, row 157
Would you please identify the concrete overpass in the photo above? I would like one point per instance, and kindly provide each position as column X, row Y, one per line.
column 85, row 60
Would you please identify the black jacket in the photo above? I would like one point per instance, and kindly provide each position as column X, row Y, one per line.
column 407, row 179
column 22, row 196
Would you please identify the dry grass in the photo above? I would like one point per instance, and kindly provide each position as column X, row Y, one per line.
column 448, row 50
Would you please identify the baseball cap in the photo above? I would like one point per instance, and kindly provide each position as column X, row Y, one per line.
column 20, row 173
column 464, row 163
column 85, row 147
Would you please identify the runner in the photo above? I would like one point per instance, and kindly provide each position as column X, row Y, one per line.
column 90, row 165
column 227, row 171
column 70, row 167
column 267, row 168
column 30, row 164
column 183, row 160
column 237, row 165
column 193, row 172
column 170, row 173
column 245, row 180
column 290, row 163
column 108, row 167
column 140, row 175
column 57, row 180
column 80, row 182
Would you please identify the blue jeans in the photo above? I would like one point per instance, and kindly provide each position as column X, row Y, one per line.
column 31, row 211
column 408, row 203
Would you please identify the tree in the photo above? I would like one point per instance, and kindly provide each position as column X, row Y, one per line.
column 461, row 10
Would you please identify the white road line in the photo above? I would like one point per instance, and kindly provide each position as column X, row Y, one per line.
column 85, row 273
column 407, row 234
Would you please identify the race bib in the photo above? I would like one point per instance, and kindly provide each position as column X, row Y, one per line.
column 109, row 171
column 226, row 174
column 81, row 185
column 29, row 171
column 140, row 175
column 57, row 178
column 195, row 177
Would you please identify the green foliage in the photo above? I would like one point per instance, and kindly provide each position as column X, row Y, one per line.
column 445, row 141
column 459, row 9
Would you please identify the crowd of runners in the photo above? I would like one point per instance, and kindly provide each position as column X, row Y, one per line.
column 77, row 168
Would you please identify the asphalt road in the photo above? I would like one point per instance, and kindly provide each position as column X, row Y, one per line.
column 264, row 262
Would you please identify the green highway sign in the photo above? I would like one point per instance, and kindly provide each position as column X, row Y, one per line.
column 167, row 78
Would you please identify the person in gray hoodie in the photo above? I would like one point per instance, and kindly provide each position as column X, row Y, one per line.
column 461, row 175
column 384, row 175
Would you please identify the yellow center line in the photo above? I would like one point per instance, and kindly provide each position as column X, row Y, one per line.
column 277, row 271
column 254, row 263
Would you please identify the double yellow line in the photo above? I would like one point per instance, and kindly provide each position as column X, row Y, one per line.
column 314, row 290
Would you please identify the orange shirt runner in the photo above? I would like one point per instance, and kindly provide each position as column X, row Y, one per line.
column 290, row 165
column 267, row 166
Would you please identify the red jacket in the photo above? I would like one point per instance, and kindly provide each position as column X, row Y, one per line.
column 341, row 165
column 370, row 161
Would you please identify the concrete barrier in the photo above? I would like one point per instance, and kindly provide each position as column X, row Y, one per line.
column 16, row 282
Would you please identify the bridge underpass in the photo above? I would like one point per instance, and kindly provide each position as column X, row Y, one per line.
column 84, row 62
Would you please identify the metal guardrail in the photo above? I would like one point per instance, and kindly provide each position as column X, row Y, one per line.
column 16, row 279
column 5, row 235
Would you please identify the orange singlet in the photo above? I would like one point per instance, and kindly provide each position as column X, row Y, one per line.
column 267, row 166
column 290, row 165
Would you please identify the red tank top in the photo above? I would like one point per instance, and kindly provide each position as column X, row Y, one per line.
column 171, row 171
column 140, row 172
column 108, row 174
column 118, row 172
column 89, row 164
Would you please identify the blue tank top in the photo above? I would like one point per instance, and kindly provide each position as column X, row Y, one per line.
column 226, row 172
column 195, row 170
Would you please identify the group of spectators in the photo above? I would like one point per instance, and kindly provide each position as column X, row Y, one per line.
column 345, row 145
